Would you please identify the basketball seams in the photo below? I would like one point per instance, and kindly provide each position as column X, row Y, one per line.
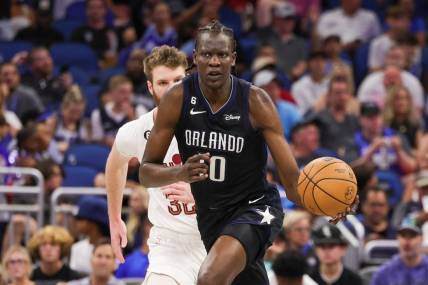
column 303, row 170
column 341, row 179
column 315, row 201
column 304, row 191
column 322, row 168
column 328, row 194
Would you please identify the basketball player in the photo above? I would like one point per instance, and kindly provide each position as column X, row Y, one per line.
column 174, row 238
column 222, row 125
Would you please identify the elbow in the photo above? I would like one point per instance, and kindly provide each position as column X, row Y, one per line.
column 142, row 177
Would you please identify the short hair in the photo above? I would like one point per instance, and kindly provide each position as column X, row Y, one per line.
column 26, row 133
column 100, row 242
column 164, row 55
column 374, row 189
column 293, row 217
column 396, row 12
column 46, row 166
column 118, row 80
column 290, row 264
column 35, row 49
column 215, row 28
column 54, row 234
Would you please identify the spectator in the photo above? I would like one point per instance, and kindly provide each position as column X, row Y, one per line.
column 297, row 227
column 336, row 124
column 291, row 49
column 417, row 25
column 413, row 205
column 10, row 117
column 41, row 78
column 291, row 268
column 138, row 204
column 6, row 142
column 375, row 85
column 422, row 152
column 330, row 248
column 40, row 33
column 53, row 175
column 137, row 262
column 305, row 143
column 401, row 116
column 288, row 112
column 106, row 121
column 122, row 24
column 35, row 142
column 410, row 266
column 96, row 34
column 70, row 125
column 92, row 224
column 17, row 262
column 135, row 72
column 50, row 245
column 352, row 23
column 21, row 100
column 311, row 87
column 381, row 145
column 103, row 265
column 161, row 31
column 333, row 49
column 375, row 219
column 398, row 22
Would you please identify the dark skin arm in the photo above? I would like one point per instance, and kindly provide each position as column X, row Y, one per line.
column 264, row 116
column 152, row 171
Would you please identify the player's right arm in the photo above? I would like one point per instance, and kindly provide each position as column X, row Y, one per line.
column 152, row 171
column 124, row 148
column 264, row 116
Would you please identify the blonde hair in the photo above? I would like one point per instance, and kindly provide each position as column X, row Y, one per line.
column 19, row 249
column 118, row 80
column 73, row 96
column 293, row 217
column 389, row 112
column 164, row 55
column 134, row 219
column 53, row 234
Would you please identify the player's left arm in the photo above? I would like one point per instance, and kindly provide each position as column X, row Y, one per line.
column 264, row 116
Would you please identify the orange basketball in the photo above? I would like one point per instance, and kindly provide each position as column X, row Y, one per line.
column 327, row 186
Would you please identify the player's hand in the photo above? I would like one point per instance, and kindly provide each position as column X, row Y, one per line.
column 195, row 168
column 179, row 191
column 351, row 210
column 118, row 239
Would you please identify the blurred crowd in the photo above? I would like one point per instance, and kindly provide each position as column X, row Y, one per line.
column 348, row 78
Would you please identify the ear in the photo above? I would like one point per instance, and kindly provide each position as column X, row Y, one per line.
column 150, row 87
column 234, row 58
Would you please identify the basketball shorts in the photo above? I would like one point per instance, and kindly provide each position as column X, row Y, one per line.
column 175, row 254
column 255, row 226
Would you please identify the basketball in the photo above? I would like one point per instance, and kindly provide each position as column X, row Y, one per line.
column 327, row 186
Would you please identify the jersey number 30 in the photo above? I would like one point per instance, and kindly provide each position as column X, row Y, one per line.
column 217, row 168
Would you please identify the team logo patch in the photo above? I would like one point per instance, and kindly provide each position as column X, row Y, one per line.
column 232, row 118
column 147, row 134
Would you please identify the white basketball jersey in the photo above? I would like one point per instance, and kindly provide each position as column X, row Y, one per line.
column 131, row 141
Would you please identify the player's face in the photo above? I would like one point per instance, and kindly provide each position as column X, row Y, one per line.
column 214, row 59
column 163, row 78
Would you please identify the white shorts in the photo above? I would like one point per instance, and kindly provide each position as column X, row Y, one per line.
column 175, row 254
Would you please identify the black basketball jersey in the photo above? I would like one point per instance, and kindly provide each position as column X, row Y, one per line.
column 237, row 151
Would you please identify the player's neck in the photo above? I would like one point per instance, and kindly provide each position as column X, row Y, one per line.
column 216, row 96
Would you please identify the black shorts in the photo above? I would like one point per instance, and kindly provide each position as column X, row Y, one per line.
column 255, row 226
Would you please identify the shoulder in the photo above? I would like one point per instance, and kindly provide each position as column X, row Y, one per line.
column 332, row 14
column 301, row 82
column 258, row 97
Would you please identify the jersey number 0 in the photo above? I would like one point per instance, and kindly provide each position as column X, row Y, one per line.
column 217, row 168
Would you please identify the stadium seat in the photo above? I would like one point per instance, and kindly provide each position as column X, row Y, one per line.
column 105, row 75
column 66, row 27
column 91, row 93
column 80, row 76
column 74, row 54
column 9, row 48
column 361, row 63
column 77, row 12
column 367, row 272
column 89, row 155
column 377, row 252
column 79, row 176
column 391, row 182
